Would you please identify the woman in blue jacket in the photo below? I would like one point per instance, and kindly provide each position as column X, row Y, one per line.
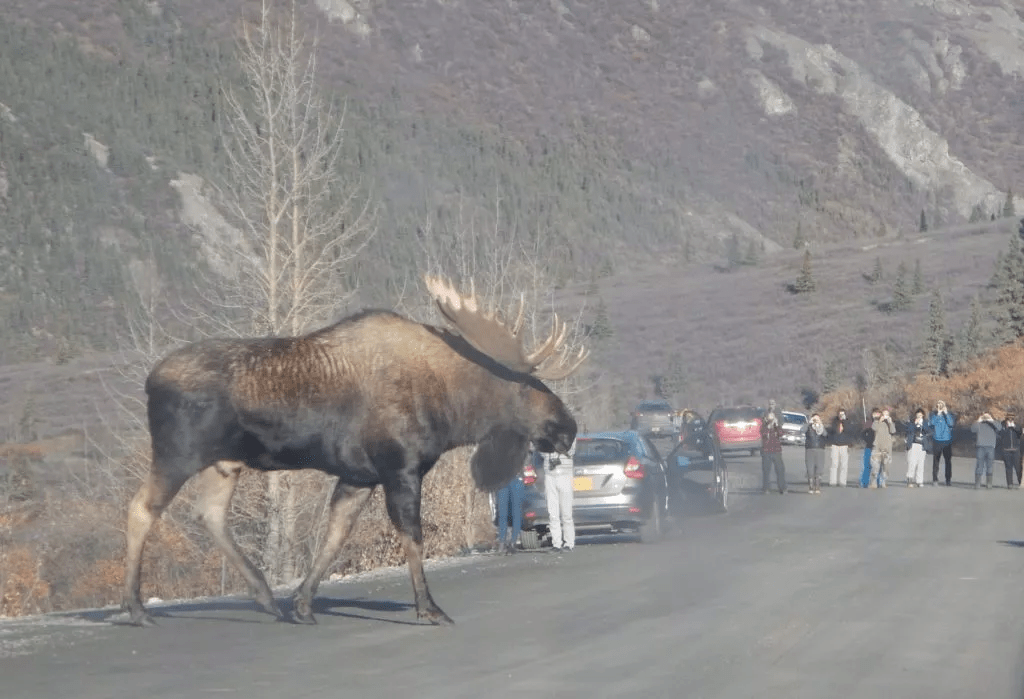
column 941, row 421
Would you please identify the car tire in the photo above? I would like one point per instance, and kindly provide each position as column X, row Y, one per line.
column 753, row 452
column 653, row 529
column 723, row 491
column 530, row 539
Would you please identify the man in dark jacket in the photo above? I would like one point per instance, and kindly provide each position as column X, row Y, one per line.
column 1009, row 444
column 771, row 452
column 815, row 442
column 842, row 435
column 941, row 422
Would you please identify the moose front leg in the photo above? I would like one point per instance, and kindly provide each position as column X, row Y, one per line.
column 403, row 501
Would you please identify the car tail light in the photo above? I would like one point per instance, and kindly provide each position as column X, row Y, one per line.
column 633, row 469
column 529, row 475
column 529, row 515
column 634, row 510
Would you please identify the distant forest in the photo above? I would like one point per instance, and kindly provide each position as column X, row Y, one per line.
column 70, row 227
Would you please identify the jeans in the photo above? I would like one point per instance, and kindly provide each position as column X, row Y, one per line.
column 865, row 473
column 769, row 459
column 511, row 496
column 985, row 457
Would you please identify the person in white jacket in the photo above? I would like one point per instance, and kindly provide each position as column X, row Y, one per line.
column 558, row 492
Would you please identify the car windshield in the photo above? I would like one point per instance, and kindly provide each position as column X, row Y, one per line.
column 599, row 450
column 795, row 418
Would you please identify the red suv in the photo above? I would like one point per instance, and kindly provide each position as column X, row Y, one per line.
column 737, row 429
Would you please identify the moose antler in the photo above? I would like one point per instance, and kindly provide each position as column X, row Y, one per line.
column 485, row 331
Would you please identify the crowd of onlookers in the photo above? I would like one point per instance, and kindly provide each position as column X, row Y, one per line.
column 925, row 434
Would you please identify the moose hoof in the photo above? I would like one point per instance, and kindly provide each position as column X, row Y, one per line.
column 268, row 605
column 303, row 612
column 140, row 617
column 436, row 617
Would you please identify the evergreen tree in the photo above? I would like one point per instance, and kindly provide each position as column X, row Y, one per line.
column 999, row 273
column 1008, row 208
column 688, row 249
column 805, row 281
column 918, row 286
column 977, row 214
column 798, row 239
column 1008, row 311
column 751, row 258
column 900, row 294
column 672, row 382
column 971, row 336
column 924, row 222
column 733, row 257
column 876, row 272
column 831, row 375
column 601, row 328
column 934, row 357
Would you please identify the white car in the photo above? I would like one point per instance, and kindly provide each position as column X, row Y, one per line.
column 794, row 428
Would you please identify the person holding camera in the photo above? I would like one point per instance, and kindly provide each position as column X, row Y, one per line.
column 558, row 493
column 986, row 434
column 942, row 421
column 771, row 452
column 917, row 434
column 814, row 453
column 1009, row 445
column 881, row 450
column 842, row 436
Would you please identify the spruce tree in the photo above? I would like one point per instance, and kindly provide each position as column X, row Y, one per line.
column 876, row 272
column 672, row 382
column 924, row 222
column 1008, row 311
column 918, row 278
column 900, row 293
column 933, row 356
column 798, row 239
column 999, row 273
column 977, row 214
column 971, row 337
column 1008, row 208
column 805, row 281
column 601, row 327
column 733, row 257
column 751, row 258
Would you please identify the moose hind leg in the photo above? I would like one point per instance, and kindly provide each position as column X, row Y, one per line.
column 215, row 486
column 146, row 507
column 403, row 502
column 347, row 502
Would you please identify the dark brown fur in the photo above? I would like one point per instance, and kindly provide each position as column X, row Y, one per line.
column 374, row 400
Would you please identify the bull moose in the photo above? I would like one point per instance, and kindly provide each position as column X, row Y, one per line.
column 374, row 399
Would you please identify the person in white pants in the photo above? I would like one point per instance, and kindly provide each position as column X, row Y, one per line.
column 559, row 495
column 917, row 433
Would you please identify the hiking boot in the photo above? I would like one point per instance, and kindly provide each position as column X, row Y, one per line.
column 988, row 482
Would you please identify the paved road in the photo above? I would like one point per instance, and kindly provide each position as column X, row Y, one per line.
column 853, row 593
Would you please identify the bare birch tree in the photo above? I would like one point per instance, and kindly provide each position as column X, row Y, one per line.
column 299, row 221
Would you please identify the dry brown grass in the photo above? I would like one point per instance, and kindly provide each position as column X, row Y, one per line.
column 67, row 551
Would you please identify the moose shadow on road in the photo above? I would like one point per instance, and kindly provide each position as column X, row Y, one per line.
column 243, row 611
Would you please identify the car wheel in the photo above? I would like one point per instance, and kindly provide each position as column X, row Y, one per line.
column 530, row 539
column 723, row 490
column 753, row 452
column 652, row 530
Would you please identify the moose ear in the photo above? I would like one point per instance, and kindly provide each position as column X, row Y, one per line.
column 498, row 458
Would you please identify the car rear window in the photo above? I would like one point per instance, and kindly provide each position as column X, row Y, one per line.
column 600, row 450
column 735, row 414
column 654, row 405
column 795, row 418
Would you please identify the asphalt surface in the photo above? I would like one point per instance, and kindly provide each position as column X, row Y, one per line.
column 851, row 593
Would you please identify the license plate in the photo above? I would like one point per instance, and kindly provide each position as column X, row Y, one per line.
column 583, row 483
